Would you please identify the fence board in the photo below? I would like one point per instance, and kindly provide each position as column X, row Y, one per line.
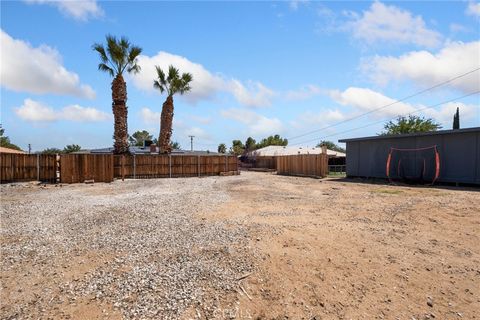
column 27, row 167
column 75, row 168
column 303, row 165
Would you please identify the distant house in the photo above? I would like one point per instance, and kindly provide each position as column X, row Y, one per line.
column 8, row 150
column 148, row 150
column 265, row 157
column 287, row 151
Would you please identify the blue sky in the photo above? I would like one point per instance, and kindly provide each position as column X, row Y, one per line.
column 259, row 68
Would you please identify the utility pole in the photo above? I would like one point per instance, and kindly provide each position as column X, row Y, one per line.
column 29, row 148
column 191, row 142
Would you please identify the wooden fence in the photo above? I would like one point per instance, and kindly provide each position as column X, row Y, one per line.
column 28, row 167
column 163, row 166
column 76, row 168
column 309, row 165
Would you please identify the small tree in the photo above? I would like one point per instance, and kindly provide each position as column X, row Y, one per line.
column 175, row 145
column 72, row 148
column 331, row 146
column 456, row 120
column 138, row 137
column 222, row 148
column 250, row 144
column 5, row 141
column 410, row 124
column 275, row 140
column 237, row 147
column 51, row 151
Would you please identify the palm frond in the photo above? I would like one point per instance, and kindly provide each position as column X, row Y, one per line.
column 159, row 86
column 133, row 53
column 115, row 52
column 101, row 51
column 104, row 67
column 172, row 74
column 135, row 68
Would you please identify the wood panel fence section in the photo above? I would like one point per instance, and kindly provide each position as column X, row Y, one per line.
column 75, row 168
column 28, row 167
column 164, row 166
column 309, row 165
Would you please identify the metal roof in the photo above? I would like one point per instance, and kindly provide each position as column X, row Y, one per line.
column 284, row 151
column 419, row 134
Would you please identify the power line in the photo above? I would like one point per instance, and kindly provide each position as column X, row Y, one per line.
column 376, row 122
column 387, row 105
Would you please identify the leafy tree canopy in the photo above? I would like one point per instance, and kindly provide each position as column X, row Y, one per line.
column 5, row 141
column 173, row 82
column 275, row 140
column 237, row 147
column 331, row 146
column 410, row 124
column 222, row 148
column 138, row 137
column 117, row 56
column 72, row 148
column 52, row 151
column 250, row 144
column 175, row 145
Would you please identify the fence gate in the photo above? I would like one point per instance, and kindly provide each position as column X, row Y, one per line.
column 75, row 168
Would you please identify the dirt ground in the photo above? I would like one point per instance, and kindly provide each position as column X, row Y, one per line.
column 321, row 249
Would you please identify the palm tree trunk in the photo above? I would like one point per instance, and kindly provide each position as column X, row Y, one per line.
column 166, row 120
column 120, row 113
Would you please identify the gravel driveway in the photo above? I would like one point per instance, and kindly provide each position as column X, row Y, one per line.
column 132, row 248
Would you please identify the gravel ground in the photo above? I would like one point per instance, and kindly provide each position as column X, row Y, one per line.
column 254, row 246
column 133, row 248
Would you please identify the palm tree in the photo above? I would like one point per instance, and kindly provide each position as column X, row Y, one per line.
column 173, row 83
column 117, row 57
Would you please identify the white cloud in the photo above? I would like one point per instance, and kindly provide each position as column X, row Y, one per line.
column 366, row 100
column 445, row 113
column 200, row 119
column 180, row 128
column 257, row 124
column 82, row 114
column 387, row 23
column 205, row 85
column 457, row 28
column 254, row 94
column 473, row 9
column 304, row 92
column 78, row 9
column 35, row 111
column 149, row 116
column 37, row 70
column 427, row 69
column 294, row 4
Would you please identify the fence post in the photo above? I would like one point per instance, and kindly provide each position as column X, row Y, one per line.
column 226, row 163
column 198, row 165
column 123, row 167
column 38, row 167
column 134, row 167
column 170, row 165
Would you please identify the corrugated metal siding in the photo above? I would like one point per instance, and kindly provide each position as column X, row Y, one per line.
column 459, row 155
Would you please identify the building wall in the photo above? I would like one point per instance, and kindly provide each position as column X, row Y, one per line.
column 459, row 155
